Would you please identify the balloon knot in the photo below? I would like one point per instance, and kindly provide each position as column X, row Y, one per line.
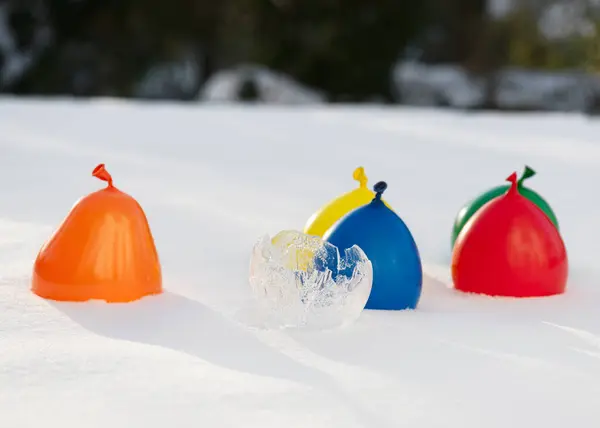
column 101, row 173
column 379, row 188
column 527, row 173
column 360, row 176
column 513, row 180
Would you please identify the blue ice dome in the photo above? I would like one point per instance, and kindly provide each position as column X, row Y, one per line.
column 391, row 248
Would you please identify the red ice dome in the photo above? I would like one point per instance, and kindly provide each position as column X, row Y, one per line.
column 510, row 248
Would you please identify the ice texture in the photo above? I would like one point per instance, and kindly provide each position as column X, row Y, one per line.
column 299, row 280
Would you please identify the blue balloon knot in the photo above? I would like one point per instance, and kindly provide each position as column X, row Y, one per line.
column 379, row 188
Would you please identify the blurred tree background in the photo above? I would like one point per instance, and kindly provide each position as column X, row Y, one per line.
column 343, row 48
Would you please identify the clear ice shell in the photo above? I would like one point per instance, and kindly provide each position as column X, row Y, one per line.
column 299, row 280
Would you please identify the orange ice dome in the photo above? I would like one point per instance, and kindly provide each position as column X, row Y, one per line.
column 102, row 250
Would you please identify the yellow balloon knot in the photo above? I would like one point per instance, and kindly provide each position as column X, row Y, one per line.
column 360, row 176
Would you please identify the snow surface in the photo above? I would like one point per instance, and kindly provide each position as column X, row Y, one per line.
column 213, row 180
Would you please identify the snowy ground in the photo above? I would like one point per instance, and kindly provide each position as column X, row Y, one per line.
column 212, row 180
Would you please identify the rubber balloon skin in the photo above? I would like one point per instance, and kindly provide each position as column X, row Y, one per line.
column 329, row 214
column 102, row 250
column 473, row 206
column 389, row 245
column 510, row 248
